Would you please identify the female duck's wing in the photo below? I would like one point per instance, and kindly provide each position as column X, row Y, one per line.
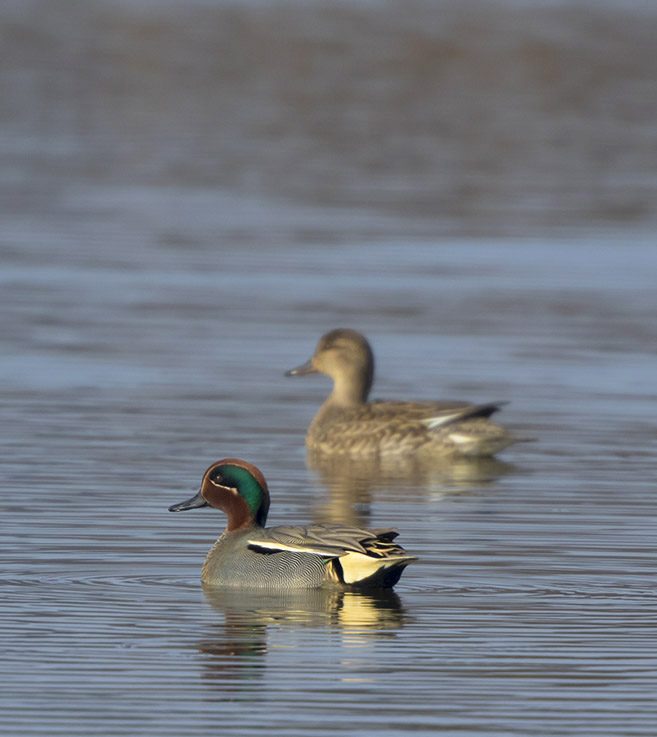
column 448, row 416
column 380, row 418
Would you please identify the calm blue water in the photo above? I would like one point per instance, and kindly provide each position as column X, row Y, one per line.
column 152, row 301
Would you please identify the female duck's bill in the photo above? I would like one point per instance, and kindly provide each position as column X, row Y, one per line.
column 305, row 368
column 249, row 555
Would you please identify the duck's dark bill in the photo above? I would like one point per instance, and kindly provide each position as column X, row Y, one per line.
column 305, row 368
column 193, row 503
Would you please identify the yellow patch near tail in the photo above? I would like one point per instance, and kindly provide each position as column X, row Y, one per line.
column 358, row 567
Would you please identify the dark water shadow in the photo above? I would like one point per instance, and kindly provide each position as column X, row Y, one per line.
column 353, row 484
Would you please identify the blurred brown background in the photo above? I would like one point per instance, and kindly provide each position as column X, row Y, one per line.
column 458, row 116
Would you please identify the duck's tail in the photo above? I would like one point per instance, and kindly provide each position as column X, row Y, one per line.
column 381, row 564
column 469, row 431
column 365, row 571
column 459, row 414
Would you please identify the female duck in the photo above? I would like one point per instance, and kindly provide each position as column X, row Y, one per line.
column 348, row 423
column 250, row 555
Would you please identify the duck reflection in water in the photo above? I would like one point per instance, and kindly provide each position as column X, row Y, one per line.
column 350, row 485
column 241, row 642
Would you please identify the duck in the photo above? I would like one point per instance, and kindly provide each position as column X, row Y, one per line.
column 347, row 423
column 250, row 555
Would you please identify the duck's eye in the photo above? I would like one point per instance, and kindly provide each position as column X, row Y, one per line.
column 217, row 478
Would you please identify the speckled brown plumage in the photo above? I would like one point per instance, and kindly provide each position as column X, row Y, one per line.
column 347, row 423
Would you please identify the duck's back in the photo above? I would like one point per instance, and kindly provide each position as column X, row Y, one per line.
column 286, row 557
column 399, row 427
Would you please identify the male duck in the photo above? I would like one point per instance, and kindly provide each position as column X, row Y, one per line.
column 250, row 555
column 348, row 423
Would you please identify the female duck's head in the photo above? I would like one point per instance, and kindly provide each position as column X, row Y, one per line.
column 346, row 356
column 237, row 488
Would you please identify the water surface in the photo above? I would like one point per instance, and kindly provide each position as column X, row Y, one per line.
column 150, row 309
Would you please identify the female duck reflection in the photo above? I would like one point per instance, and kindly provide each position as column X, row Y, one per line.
column 350, row 485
